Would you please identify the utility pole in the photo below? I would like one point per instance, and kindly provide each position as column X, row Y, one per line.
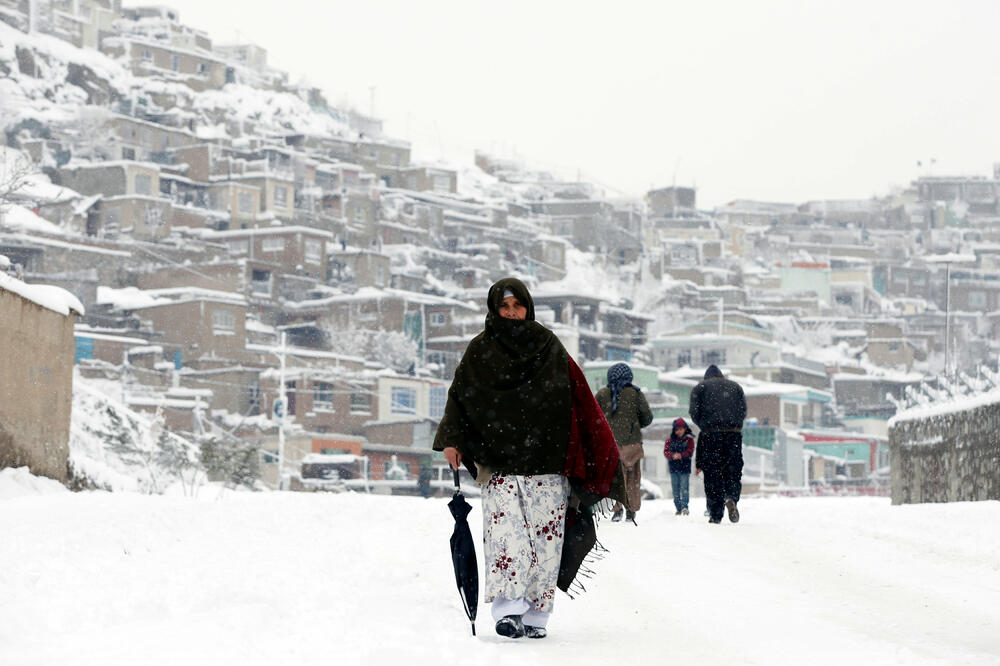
column 283, row 401
column 947, row 317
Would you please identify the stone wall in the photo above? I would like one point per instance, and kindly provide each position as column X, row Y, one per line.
column 36, row 386
column 950, row 457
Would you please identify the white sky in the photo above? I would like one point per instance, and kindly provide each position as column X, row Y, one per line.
column 775, row 100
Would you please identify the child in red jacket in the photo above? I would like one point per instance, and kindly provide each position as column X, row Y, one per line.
column 678, row 450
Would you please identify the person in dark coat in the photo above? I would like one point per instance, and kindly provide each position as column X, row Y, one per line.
column 521, row 418
column 627, row 411
column 678, row 450
column 718, row 407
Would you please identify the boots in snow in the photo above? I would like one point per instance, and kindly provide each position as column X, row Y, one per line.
column 734, row 513
column 510, row 626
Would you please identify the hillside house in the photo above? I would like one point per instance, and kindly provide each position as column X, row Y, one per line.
column 194, row 326
column 294, row 250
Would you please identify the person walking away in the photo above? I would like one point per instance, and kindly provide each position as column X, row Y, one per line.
column 718, row 407
column 678, row 450
column 520, row 416
column 627, row 411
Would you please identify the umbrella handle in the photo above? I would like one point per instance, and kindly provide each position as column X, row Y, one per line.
column 458, row 486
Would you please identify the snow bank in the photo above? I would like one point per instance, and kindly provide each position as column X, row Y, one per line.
column 19, row 482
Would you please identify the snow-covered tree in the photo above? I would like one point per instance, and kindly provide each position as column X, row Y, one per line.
column 234, row 462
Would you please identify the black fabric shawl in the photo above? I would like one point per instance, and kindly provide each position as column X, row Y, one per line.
column 509, row 405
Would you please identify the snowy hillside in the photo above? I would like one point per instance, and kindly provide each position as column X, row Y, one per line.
column 285, row 578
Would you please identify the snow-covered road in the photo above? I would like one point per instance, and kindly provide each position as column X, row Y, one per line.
column 283, row 578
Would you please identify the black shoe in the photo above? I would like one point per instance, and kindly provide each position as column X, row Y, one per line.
column 630, row 515
column 534, row 632
column 510, row 626
column 715, row 521
column 616, row 517
column 734, row 513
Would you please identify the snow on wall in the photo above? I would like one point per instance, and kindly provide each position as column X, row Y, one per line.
column 56, row 299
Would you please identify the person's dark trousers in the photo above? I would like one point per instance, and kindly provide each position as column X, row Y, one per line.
column 720, row 456
column 679, row 483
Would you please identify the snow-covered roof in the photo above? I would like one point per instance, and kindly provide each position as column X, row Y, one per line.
column 209, row 234
column 13, row 216
column 330, row 458
column 132, row 298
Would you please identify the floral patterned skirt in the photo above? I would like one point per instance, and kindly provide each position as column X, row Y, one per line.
column 523, row 521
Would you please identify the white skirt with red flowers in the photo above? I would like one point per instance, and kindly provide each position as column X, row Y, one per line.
column 523, row 521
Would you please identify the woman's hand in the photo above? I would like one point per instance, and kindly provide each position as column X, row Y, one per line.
column 453, row 456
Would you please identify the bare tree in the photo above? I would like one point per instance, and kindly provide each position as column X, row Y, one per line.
column 15, row 167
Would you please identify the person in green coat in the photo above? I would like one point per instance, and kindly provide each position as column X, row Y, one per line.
column 627, row 412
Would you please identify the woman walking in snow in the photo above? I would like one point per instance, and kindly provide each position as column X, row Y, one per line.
column 627, row 412
column 521, row 417
column 678, row 450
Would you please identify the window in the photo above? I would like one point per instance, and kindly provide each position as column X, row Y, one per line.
column 359, row 214
column 223, row 322
column 438, row 318
column 239, row 246
column 554, row 255
column 153, row 217
column 323, row 396
column 314, row 251
column 404, row 400
column 273, row 244
column 439, row 395
column 361, row 403
column 202, row 68
column 175, row 63
column 143, row 184
column 260, row 282
column 977, row 299
column 791, row 413
column 128, row 153
column 281, row 196
column 244, row 202
column 893, row 347
column 442, row 183
column 147, row 55
column 380, row 275
column 683, row 357
column 713, row 356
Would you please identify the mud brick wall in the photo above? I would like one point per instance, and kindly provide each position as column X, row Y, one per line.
column 36, row 386
column 951, row 457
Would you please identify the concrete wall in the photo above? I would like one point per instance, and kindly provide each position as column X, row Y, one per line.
column 948, row 458
column 36, row 386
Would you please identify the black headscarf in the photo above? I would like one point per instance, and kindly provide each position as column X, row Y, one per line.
column 509, row 404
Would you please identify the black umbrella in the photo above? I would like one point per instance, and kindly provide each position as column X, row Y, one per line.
column 463, row 555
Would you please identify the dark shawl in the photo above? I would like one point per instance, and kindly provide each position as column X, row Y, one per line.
column 509, row 405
